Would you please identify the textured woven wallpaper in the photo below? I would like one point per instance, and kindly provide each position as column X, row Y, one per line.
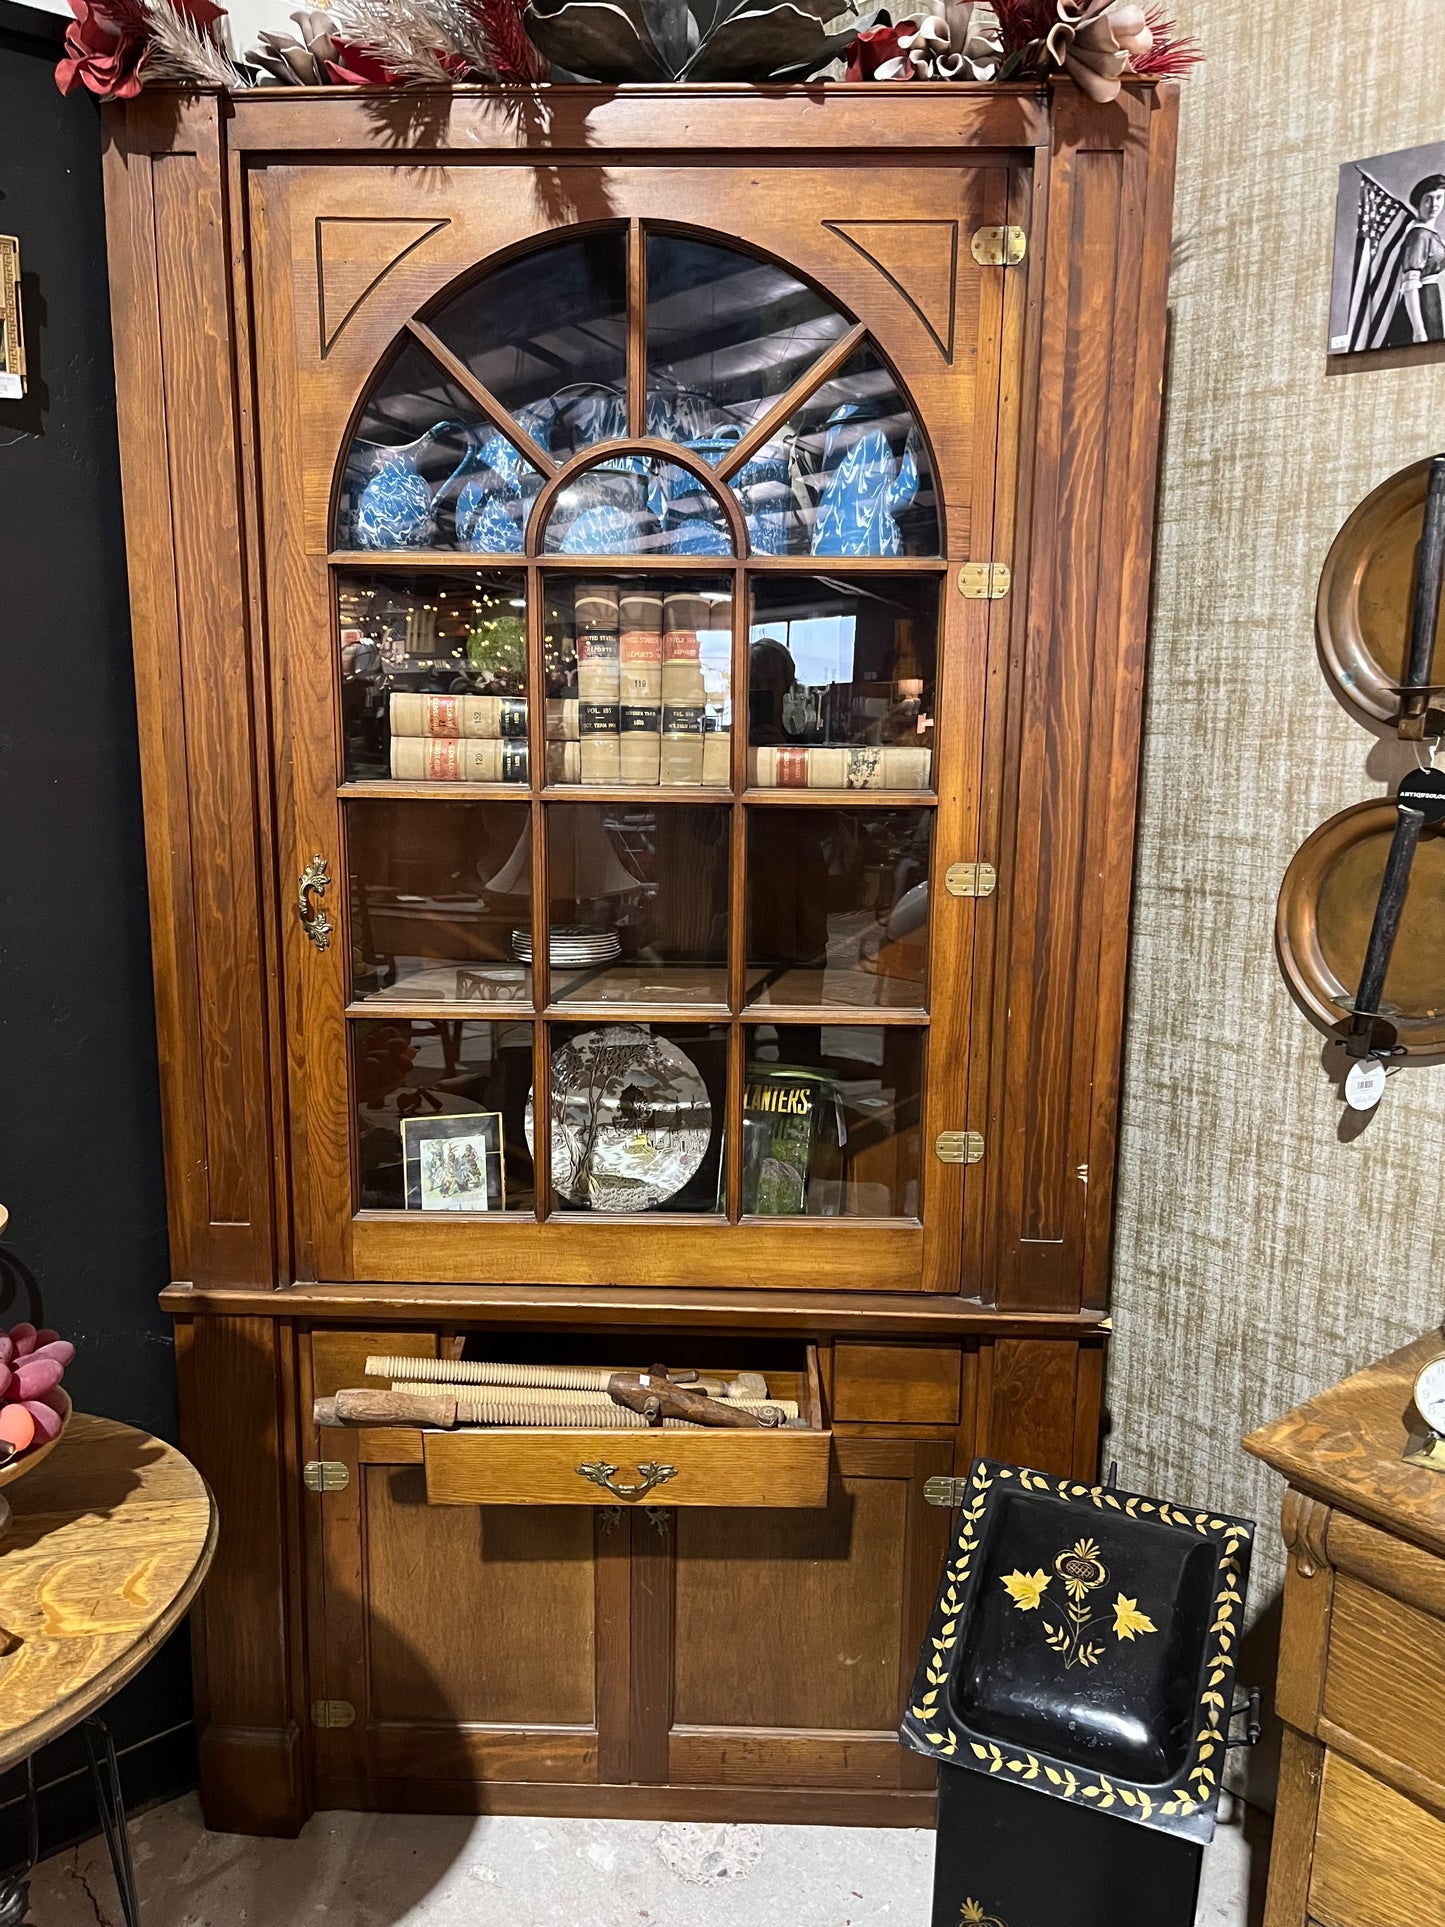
column 1260, row 1255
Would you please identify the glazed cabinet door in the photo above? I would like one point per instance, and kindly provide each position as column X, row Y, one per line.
column 794, row 1638
column 630, row 711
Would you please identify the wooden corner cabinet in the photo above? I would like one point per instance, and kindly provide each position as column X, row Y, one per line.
column 639, row 602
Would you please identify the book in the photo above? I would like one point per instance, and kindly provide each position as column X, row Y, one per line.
column 779, row 1125
column 449, row 759
column 562, row 723
column 598, row 667
column 600, row 759
column 640, row 647
column 682, row 743
column 639, row 743
column 682, row 678
column 717, row 758
column 478, row 718
column 596, row 608
column 854, row 766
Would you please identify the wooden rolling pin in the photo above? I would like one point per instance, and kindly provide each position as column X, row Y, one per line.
column 524, row 1397
column 443, row 1409
column 552, row 1378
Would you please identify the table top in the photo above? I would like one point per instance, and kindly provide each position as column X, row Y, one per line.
column 109, row 1542
column 1344, row 1446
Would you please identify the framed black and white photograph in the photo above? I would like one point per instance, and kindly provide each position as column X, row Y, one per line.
column 1385, row 291
column 454, row 1163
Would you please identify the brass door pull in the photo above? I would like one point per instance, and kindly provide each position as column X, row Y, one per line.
column 605, row 1475
column 315, row 877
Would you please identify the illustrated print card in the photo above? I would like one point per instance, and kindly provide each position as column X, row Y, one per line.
column 454, row 1163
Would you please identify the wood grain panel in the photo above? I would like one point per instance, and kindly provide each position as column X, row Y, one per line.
column 170, row 260
column 711, row 1468
column 907, row 1384
column 725, row 1757
column 338, row 1358
column 1292, row 1848
column 796, row 1620
column 1379, row 1860
column 476, row 1615
column 1029, row 1418
column 1386, row 1677
column 241, row 1629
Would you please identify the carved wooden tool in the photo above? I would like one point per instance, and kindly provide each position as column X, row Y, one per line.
column 1420, row 800
column 656, row 1396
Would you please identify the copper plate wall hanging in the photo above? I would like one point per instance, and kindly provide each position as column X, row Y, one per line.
column 1322, row 926
column 1362, row 615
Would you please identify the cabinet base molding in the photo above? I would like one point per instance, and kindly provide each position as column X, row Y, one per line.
column 733, row 1806
column 253, row 1780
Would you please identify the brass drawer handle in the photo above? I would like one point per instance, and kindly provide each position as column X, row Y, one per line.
column 605, row 1475
column 315, row 877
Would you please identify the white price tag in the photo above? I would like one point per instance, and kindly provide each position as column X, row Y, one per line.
column 1365, row 1085
column 10, row 388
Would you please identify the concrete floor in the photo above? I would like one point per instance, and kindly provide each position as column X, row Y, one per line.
column 364, row 1870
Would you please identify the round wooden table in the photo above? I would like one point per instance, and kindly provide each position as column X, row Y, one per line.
column 108, row 1543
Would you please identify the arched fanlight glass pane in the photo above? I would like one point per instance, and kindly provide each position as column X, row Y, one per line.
column 727, row 336
column 637, row 505
column 848, row 476
column 426, row 471
column 547, row 335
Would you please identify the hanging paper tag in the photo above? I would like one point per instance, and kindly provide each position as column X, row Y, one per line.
column 1365, row 1085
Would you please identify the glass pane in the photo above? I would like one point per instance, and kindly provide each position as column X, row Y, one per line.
column 547, row 335
column 841, row 683
column 638, row 1117
column 638, row 505
column 426, row 471
column 831, row 1121
column 639, row 902
column 727, row 336
column 838, row 907
column 439, row 1124
column 639, row 680
column 434, row 676
column 440, row 902
column 858, row 474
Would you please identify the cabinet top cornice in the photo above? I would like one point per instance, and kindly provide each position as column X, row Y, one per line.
column 732, row 119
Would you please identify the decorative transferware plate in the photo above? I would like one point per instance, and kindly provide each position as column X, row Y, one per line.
column 1083, row 1645
column 631, row 1119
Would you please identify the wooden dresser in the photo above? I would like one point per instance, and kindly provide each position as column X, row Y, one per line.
column 1359, row 1836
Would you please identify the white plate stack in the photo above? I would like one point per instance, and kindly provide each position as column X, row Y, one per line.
column 569, row 946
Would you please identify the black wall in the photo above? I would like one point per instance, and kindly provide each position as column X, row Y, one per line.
column 80, row 1152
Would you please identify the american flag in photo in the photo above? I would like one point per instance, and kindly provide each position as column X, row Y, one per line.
column 1380, row 225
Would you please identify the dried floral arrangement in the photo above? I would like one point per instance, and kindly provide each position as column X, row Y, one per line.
column 114, row 47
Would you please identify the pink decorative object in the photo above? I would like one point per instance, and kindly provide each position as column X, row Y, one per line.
column 33, row 1406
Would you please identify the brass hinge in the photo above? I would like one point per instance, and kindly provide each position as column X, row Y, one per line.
column 970, row 879
column 999, row 247
column 958, row 1147
column 325, row 1475
column 941, row 1491
column 984, row 581
column 332, row 1713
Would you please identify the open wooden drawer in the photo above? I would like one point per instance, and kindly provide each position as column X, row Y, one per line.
column 516, row 1465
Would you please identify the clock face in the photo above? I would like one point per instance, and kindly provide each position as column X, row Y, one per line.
column 1430, row 1395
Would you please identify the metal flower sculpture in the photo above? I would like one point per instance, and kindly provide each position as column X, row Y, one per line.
column 618, row 40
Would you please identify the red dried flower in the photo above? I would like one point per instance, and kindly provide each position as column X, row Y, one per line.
column 104, row 48
column 513, row 54
column 876, row 47
column 358, row 67
column 1172, row 53
column 1020, row 22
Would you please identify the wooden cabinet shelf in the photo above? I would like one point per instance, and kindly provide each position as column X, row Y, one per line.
column 561, row 706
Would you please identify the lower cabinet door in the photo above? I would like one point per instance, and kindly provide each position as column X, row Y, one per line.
column 795, row 1635
column 457, row 1644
